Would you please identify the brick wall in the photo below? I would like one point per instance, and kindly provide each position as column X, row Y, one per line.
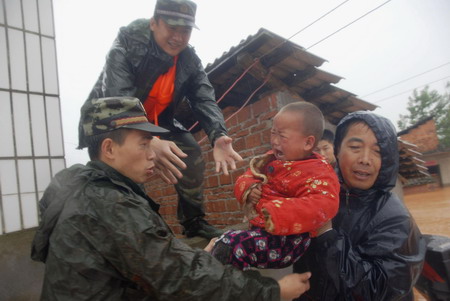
column 424, row 136
column 250, row 130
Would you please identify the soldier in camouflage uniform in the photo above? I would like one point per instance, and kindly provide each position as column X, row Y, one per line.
column 102, row 238
column 151, row 60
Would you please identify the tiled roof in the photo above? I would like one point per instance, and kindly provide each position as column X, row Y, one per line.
column 291, row 68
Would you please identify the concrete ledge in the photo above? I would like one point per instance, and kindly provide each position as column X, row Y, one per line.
column 20, row 276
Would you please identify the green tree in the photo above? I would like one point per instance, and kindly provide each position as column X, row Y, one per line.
column 424, row 104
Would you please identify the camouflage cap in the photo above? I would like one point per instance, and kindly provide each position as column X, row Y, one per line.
column 101, row 115
column 177, row 12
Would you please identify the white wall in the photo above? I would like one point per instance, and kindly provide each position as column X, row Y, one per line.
column 31, row 148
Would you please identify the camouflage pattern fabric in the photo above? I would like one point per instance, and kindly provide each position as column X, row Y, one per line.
column 190, row 187
column 101, row 238
column 103, row 115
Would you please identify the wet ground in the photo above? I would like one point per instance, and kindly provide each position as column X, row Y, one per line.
column 431, row 210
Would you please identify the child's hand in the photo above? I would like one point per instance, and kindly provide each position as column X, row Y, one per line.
column 254, row 195
column 269, row 226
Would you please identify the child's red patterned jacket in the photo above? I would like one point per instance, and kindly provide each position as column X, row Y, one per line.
column 299, row 196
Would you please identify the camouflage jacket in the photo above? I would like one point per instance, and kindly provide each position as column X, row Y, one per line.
column 135, row 61
column 102, row 238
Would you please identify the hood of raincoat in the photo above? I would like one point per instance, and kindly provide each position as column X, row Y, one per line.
column 375, row 250
column 386, row 135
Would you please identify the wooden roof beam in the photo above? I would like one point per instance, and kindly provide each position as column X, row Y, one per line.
column 259, row 71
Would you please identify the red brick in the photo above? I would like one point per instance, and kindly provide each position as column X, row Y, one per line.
column 247, row 154
column 163, row 210
column 224, row 180
column 213, row 216
column 265, row 136
column 244, row 115
column 253, row 140
column 168, row 210
column 242, row 133
column 273, row 102
column 212, row 197
column 249, row 123
column 208, row 206
column 264, row 125
column 217, row 206
column 232, row 131
column 261, row 106
column 239, row 144
column 213, row 181
column 169, row 190
column 237, row 173
column 157, row 193
column 262, row 150
column 232, row 205
column 168, row 201
column 225, row 195
column 424, row 136
column 209, row 156
column 177, row 229
column 245, row 162
column 268, row 116
column 232, row 122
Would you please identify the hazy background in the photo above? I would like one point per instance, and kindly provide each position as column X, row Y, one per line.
column 405, row 41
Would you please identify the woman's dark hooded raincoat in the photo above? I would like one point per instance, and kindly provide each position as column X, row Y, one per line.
column 375, row 250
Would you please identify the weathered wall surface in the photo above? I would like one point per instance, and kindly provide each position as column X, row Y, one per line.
column 20, row 277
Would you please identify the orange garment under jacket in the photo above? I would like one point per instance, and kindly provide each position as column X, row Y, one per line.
column 161, row 94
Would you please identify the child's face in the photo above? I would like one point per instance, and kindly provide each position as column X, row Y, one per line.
column 287, row 139
column 326, row 149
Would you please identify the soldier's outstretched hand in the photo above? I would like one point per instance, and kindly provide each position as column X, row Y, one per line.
column 224, row 154
column 167, row 160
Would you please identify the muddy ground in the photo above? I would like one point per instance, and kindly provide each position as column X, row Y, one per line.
column 431, row 210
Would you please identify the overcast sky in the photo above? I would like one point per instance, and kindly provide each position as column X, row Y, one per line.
column 397, row 41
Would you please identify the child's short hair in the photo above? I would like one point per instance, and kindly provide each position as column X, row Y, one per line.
column 328, row 136
column 313, row 120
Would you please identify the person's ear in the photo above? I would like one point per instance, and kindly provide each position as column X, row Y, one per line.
column 310, row 143
column 107, row 148
column 152, row 24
